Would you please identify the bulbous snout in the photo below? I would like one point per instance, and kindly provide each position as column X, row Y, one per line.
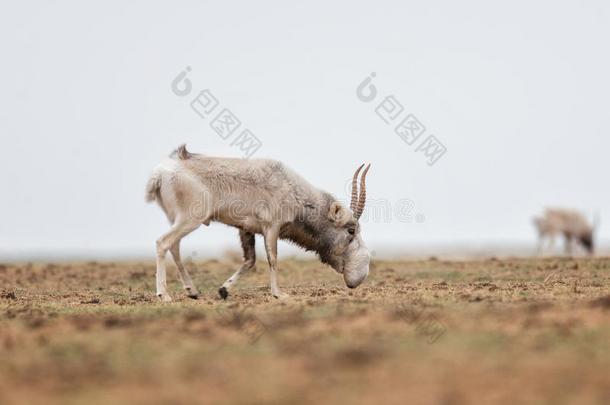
column 353, row 282
column 356, row 268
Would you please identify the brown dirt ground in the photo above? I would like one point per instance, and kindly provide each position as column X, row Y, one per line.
column 492, row 331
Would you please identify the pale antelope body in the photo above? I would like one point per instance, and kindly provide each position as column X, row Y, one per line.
column 572, row 225
column 258, row 197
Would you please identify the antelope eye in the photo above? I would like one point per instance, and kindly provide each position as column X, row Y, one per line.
column 351, row 231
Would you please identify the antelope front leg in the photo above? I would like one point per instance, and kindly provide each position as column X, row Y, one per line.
column 568, row 246
column 550, row 247
column 540, row 247
column 271, row 236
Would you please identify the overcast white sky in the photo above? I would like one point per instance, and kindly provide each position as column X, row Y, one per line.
column 517, row 92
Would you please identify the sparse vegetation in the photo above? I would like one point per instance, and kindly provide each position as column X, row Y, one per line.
column 505, row 331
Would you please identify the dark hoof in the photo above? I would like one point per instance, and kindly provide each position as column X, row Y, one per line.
column 222, row 291
column 192, row 293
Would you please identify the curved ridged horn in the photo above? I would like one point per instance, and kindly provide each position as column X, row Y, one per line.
column 362, row 196
column 352, row 205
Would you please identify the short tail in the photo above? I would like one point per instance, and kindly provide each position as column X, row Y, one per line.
column 537, row 221
column 153, row 187
column 180, row 153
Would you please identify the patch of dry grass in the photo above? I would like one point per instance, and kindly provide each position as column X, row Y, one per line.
column 496, row 331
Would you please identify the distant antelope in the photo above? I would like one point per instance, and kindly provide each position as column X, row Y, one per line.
column 569, row 223
column 257, row 197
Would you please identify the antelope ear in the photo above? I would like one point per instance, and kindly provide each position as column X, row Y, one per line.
column 338, row 214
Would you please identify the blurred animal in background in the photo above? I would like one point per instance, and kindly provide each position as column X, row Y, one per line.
column 571, row 224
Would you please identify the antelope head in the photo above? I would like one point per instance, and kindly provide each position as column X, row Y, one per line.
column 348, row 254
